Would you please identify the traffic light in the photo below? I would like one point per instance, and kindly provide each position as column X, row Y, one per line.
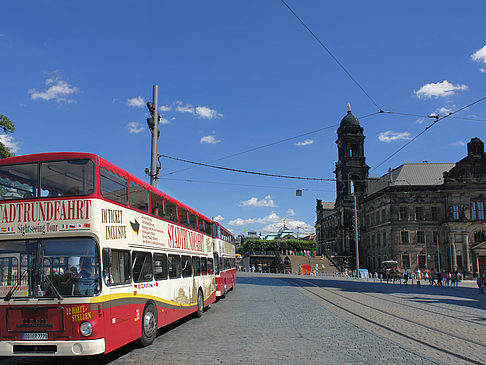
column 150, row 121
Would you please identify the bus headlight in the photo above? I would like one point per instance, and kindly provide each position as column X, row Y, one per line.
column 86, row 328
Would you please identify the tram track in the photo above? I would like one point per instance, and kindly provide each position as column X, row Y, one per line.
column 464, row 313
column 395, row 324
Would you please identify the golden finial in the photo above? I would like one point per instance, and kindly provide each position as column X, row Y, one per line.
column 349, row 108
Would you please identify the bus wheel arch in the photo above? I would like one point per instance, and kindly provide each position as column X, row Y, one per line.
column 149, row 326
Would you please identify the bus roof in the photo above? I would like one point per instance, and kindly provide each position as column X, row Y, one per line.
column 98, row 160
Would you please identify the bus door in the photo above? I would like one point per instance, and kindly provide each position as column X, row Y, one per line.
column 118, row 297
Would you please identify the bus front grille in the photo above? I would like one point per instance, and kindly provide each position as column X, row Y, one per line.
column 38, row 349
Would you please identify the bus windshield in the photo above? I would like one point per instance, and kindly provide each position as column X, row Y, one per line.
column 49, row 268
column 47, row 179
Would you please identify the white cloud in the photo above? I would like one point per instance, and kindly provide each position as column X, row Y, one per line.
column 137, row 102
column 254, row 202
column 439, row 89
column 207, row 113
column 218, row 218
column 164, row 121
column 199, row 111
column 480, row 57
column 135, row 127
column 165, row 108
column 458, row 144
column 390, row 136
column 271, row 218
column 290, row 213
column 446, row 110
column 420, row 120
column 57, row 90
column 8, row 141
column 210, row 139
column 297, row 226
column 305, row 143
column 184, row 108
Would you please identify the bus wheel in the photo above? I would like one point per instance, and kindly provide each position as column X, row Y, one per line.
column 200, row 304
column 149, row 325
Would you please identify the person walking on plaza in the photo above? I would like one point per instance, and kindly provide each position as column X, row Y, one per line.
column 418, row 275
column 480, row 283
column 405, row 276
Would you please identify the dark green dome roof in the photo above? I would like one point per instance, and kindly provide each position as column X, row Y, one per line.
column 349, row 120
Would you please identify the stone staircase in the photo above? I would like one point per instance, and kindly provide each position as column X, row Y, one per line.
column 296, row 261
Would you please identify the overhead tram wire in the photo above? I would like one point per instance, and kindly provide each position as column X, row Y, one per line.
column 246, row 185
column 246, row 171
column 260, row 147
column 268, row 145
column 426, row 129
column 431, row 116
column 330, row 54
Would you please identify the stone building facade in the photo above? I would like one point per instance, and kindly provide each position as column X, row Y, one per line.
column 422, row 215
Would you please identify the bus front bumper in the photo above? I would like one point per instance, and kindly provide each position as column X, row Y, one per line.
column 52, row 348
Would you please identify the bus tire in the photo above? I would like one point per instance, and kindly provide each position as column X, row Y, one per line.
column 200, row 304
column 149, row 325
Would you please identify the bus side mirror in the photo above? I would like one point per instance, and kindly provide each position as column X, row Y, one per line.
column 107, row 261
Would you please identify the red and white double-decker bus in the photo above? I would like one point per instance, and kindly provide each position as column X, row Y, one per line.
column 92, row 258
column 224, row 259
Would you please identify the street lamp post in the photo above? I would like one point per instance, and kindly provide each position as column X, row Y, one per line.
column 356, row 234
column 438, row 251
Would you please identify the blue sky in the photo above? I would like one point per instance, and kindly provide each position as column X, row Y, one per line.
column 237, row 75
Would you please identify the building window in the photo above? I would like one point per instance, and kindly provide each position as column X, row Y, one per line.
column 378, row 239
column 421, row 261
column 420, row 237
column 404, row 236
column 406, row 261
column 455, row 212
column 459, row 260
column 478, row 210
column 435, row 213
column 419, row 213
column 435, row 236
column 384, row 239
column 403, row 213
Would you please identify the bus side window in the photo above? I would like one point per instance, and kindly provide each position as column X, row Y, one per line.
column 142, row 266
column 160, row 266
column 186, row 266
column 157, row 204
column 210, row 266
column 113, row 187
column 174, row 266
column 138, row 197
column 183, row 217
column 170, row 211
column 119, row 272
column 193, row 220
column 204, row 266
column 196, row 264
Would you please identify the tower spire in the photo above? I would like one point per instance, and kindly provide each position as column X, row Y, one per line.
column 349, row 108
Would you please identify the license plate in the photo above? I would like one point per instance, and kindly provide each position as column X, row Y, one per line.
column 34, row 336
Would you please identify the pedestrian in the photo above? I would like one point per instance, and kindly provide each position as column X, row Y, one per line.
column 418, row 277
column 480, row 283
column 405, row 276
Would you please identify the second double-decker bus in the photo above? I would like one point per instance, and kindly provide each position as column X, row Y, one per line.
column 224, row 259
column 92, row 258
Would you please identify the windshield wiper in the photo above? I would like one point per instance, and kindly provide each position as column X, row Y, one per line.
column 53, row 287
column 14, row 288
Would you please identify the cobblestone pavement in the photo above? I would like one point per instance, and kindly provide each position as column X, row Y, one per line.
column 276, row 319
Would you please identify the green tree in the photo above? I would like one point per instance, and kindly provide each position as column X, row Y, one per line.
column 8, row 127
